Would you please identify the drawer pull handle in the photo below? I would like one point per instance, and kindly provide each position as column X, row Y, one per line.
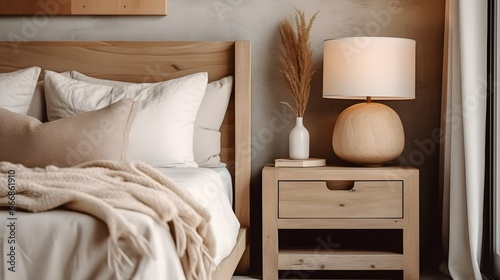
column 322, row 267
column 372, row 266
column 339, row 185
column 342, row 205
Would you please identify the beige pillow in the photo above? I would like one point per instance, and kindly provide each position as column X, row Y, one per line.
column 94, row 135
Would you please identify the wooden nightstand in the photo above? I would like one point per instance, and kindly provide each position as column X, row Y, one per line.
column 340, row 198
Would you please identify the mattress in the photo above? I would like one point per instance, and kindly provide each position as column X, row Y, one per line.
column 67, row 245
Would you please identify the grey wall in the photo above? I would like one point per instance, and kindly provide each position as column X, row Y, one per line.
column 257, row 20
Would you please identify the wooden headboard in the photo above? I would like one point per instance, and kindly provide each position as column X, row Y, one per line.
column 158, row 61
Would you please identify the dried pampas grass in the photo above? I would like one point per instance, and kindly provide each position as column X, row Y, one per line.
column 296, row 59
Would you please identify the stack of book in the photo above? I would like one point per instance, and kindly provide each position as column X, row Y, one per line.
column 310, row 162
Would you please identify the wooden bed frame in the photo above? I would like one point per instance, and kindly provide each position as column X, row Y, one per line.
column 158, row 61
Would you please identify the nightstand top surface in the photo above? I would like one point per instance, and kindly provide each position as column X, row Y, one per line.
column 346, row 172
column 343, row 168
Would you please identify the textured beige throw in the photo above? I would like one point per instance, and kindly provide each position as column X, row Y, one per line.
column 98, row 187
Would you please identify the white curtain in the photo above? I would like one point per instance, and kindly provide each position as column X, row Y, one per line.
column 463, row 123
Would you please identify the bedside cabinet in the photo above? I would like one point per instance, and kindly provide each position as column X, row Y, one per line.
column 347, row 198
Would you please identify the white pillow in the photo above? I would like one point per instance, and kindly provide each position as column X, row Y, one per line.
column 162, row 133
column 38, row 108
column 17, row 88
column 206, row 139
column 208, row 121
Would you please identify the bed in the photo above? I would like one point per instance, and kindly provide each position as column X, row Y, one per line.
column 146, row 62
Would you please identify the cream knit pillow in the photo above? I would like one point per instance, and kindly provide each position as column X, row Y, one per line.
column 95, row 135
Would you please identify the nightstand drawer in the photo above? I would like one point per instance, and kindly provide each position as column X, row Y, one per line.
column 340, row 199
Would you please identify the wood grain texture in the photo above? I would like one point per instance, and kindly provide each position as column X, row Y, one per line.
column 269, row 225
column 32, row 7
column 367, row 199
column 243, row 134
column 339, row 260
column 154, row 62
column 304, row 185
column 83, row 7
column 242, row 126
column 411, row 230
column 340, row 223
column 119, row 7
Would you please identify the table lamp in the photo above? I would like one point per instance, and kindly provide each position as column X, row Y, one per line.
column 369, row 68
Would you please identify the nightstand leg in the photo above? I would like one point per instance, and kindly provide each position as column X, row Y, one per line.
column 411, row 255
column 411, row 239
column 269, row 226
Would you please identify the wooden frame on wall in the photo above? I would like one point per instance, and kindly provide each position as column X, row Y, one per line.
column 83, row 7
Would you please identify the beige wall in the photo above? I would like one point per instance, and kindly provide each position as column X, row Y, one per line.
column 257, row 20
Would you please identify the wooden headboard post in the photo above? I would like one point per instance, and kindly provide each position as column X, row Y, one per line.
column 243, row 150
column 243, row 145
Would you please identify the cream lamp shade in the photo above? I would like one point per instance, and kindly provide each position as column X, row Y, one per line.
column 369, row 68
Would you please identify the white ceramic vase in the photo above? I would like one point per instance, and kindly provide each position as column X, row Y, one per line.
column 299, row 141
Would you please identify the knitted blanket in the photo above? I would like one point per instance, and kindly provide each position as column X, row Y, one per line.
column 97, row 188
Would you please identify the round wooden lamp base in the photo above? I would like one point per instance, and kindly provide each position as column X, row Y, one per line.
column 368, row 134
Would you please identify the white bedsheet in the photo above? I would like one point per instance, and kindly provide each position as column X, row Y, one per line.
column 226, row 180
column 67, row 245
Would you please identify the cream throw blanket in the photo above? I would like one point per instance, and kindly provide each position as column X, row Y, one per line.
column 98, row 187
